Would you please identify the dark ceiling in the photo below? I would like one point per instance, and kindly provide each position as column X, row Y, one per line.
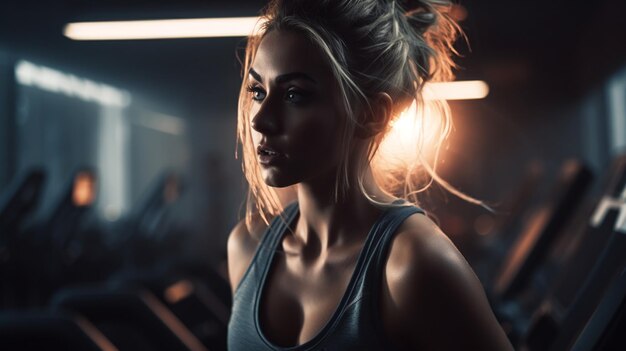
column 515, row 45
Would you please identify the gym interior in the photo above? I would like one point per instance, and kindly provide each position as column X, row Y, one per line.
column 120, row 182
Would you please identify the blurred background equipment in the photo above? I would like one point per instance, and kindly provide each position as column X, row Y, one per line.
column 119, row 183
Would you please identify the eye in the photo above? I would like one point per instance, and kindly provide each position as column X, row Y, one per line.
column 295, row 96
column 258, row 94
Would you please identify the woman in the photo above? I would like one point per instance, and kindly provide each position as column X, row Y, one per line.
column 352, row 264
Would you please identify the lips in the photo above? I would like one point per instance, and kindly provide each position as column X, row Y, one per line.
column 268, row 155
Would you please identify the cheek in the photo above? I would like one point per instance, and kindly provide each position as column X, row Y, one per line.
column 316, row 134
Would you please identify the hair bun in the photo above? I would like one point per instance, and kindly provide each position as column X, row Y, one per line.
column 421, row 19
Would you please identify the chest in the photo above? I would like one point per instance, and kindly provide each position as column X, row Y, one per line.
column 299, row 300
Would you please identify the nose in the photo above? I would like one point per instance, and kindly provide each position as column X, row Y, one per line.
column 265, row 121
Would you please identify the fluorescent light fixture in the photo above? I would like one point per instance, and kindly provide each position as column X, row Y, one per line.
column 458, row 90
column 30, row 74
column 162, row 29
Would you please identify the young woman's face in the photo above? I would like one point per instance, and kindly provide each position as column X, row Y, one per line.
column 295, row 114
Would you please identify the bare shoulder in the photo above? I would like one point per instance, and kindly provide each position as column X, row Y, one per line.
column 242, row 244
column 420, row 247
column 431, row 297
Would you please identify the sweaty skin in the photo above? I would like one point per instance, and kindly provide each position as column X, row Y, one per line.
column 430, row 297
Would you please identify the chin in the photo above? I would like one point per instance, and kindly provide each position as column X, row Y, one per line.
column 274, row 180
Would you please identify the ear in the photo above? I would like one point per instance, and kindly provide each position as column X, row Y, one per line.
column 377, row 117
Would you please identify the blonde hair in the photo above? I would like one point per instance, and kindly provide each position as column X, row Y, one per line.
column 371, row 46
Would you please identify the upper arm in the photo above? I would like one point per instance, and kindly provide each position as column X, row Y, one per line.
column 433, row 298
column 240, row 250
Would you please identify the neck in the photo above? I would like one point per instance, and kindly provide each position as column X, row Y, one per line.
column 327, row 222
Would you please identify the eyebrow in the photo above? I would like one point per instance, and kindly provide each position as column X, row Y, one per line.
column 284, row 77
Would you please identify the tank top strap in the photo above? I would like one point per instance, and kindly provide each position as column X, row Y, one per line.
column 394, row 218
column 274, row 233
column 376, row 249
column 267, row 245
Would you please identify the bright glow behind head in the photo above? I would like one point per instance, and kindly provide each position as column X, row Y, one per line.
column 414, row 132
column 412, row 135
column 54, row 81
column 162, row 29
column 405, row 163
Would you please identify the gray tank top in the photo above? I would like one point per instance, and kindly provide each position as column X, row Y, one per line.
column 355, row 324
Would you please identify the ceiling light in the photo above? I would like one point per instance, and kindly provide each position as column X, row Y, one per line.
column 162, row 29
column 458, row 90
column 48, row 79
